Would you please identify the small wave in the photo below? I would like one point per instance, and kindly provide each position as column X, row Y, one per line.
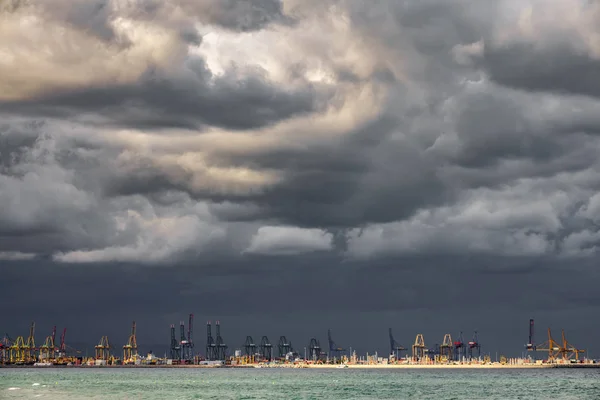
column 14, row 388
column 36, row 384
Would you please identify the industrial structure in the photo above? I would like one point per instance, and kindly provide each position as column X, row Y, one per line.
column 474, row 347
column 24, row 351
column 175, row 348
column 314, row 350
column 460, row 350
column 211, row 353
column 285, row 347
column 130, row 350
column 419, row 350
column 335, row 351
column 266, row 349
column 103, row 349
column 221, row 347
column 562, row 351
column 395, row 348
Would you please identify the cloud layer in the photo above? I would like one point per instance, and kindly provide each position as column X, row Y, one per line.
column 165, row 132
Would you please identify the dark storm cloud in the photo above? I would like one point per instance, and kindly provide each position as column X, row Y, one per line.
column 559, row 69
column 354, row 138
column 189, row 101
column 369, row 299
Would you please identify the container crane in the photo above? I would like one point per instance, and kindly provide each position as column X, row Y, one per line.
column 190, row 334
column 285, row 347
column 183, row 355
column 62, row 358
column 474, row 346
column 266, row 349
column 249, row 349
column 130, row 350
column 30, row 348
column 48, row 350
column 563, row 350
column 5, row 344
column 446, row 348
column 102, row 349
column 395, row 348
column 530, row 346
column 211, row 349
column 314, row 348
column 175, row 348
column 334, row 349
column 418, row 348
column 459, row 348
column 221, row 347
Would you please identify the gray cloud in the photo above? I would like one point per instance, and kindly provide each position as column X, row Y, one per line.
column 411, row 119
column 190, row 100
column 237, row 15
column 400, row 148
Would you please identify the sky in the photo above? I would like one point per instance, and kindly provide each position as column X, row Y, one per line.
column 289, row 166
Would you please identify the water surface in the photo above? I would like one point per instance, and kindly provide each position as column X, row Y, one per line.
column 56, row 383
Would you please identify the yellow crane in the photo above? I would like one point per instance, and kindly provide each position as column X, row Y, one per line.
column 130, row 350
column 30, row 349
column 103, row 349
column 418, row 348
column 17, row 351
column 446, row 348
column 48, row 349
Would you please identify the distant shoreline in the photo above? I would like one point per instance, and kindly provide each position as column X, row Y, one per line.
column 317, row 366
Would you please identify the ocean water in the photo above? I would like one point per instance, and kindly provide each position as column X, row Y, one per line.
column 174, row 384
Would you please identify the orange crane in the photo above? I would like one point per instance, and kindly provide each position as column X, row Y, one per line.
column 563, row 350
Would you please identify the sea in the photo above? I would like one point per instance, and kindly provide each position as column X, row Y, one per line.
column 271, row 383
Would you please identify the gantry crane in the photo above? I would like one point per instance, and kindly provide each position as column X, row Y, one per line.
column 175, row 347
column 5, row 344
column 62, row 358
column 530, row 346
column 190, row 339
column 266, row 349
column 17, row 351
column 418, row 348
column 335, row 350
column 30, row 348
column 249, row 349
column 395, row 348
column 220, row 345
column 182, row 343
column 48, row 349
column 284, row 346
column 474, row 346
column 102, row 349
column 130, row 350
column 563, row 350
column 211, row 347
column 460, row 348
column 446, row 348
column 314, row 348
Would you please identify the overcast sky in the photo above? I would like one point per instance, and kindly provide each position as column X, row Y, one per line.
column 291, row 166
